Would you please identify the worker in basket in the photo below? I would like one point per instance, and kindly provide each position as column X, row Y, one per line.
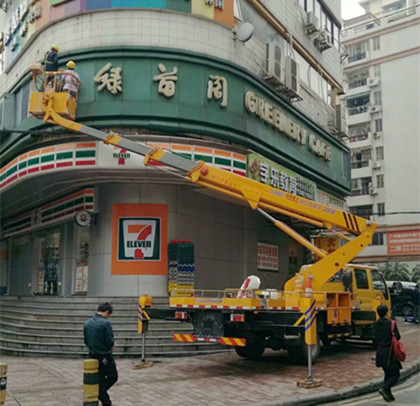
column 71, row 79
column 51, row 63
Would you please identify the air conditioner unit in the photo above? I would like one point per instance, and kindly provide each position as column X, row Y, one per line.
column 374, row 109
column 291, row 74
column 377, row 134
column 341, row 118
column 373, row 81
column 323, row 41
column 376, row 165
column 372, row 191
column 273, row 61
column 312, row 23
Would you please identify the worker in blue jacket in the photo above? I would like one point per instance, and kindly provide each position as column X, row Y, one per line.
column 99, row 338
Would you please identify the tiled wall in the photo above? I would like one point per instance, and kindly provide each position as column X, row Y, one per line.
column 136, row 28
column 158, row 28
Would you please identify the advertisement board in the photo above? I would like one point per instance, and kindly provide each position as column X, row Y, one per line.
column 268, row 257
column 139, row 239
column 404, row 242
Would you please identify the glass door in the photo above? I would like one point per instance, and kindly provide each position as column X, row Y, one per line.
column 49, row 271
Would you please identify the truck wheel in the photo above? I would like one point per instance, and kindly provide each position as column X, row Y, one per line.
column 253, row 351
column 299, row 353
column 327, row 340
column 407, row 310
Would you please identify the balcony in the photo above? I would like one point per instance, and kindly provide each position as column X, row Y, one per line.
column 362, row 169
column 352, row 111
column 363, row 88
column 357, row 57
column 360, row 140
column 360, row 198
column 360, row 164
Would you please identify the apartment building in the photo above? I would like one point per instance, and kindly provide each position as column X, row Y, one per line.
column 382, row 99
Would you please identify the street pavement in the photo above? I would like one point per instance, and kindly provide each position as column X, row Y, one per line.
column 215, row 380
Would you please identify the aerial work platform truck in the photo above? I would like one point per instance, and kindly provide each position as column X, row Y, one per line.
column 328, row 299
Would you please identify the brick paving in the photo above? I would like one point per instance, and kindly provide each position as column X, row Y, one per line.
column 214, row 380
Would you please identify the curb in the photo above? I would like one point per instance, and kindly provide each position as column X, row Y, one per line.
column 344, row 393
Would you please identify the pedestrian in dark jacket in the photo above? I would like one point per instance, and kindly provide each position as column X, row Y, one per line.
column 415, row 297
column 99, row 338
column 385, row 357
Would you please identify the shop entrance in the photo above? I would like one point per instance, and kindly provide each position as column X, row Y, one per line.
column 20, row 266
column 49, row 272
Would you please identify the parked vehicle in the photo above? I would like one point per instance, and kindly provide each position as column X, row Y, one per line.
column 401, row 297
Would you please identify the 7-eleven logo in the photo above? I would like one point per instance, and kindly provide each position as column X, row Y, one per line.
column 139, row 238
column 121, row 156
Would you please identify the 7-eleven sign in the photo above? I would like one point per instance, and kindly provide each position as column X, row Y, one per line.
column 139, row 239
column 122, row 155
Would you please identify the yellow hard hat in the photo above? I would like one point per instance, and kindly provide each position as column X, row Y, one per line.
column 70, row 64
column 55, row 48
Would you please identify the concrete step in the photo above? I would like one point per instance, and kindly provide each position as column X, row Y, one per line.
column 58, row 340
column 185, row 352
column 155, row 328
column 53, row 326
column 81, row 349
column 62, row 313
column 93, row 300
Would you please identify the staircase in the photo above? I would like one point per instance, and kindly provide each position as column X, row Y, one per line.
column 43, row 326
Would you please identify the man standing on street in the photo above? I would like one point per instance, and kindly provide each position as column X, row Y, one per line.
column 99, row 338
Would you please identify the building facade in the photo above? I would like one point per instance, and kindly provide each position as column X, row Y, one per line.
column 382, row 99
column 248, row 86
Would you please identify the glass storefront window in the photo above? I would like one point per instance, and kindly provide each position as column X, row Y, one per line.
column 49, row 271
column 82, row 261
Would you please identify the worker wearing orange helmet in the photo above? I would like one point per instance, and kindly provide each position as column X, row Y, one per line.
column 71, row 79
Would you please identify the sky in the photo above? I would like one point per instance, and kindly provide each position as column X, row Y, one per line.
column 350, row 9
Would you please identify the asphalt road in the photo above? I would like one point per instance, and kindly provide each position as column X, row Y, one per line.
column 407, row 393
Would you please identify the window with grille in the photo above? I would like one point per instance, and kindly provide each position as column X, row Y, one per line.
column 381, row 209
column 379, row 181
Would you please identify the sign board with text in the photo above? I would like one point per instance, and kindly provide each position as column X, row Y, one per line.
column 268, row 257
column 404, row 242
column 139, row 239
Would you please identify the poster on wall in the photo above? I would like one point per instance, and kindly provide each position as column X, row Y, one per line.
column 268, row 257
column 139, row 239
column 404, row 242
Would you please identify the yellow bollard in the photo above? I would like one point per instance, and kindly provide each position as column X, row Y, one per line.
column 90, row 382
column 3, row 383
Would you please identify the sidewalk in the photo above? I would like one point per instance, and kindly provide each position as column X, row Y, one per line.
column 214, row 380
